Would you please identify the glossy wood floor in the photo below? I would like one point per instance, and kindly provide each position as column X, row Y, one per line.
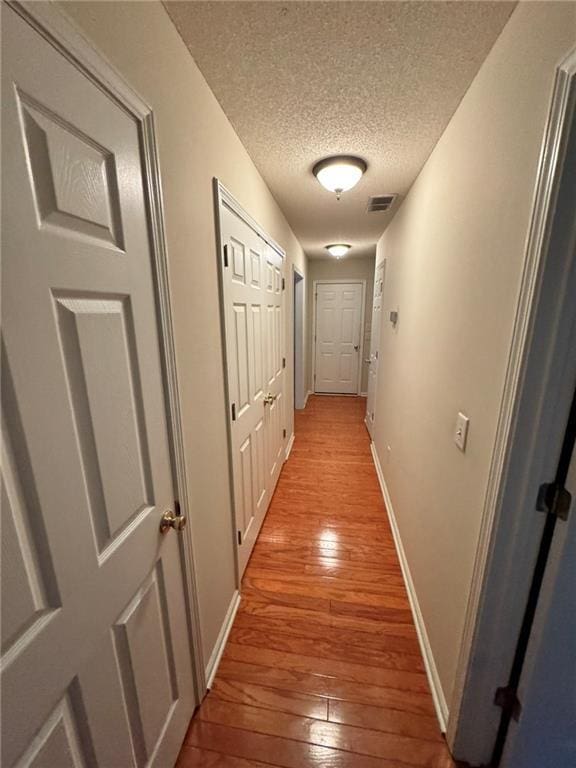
column 322, row 667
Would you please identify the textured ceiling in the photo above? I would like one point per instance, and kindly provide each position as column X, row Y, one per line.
column 303, row 80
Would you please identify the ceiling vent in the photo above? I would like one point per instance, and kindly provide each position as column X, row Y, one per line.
column 380, row 203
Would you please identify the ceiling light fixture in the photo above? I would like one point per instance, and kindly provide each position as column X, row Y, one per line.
column 339, row 173
column 338, row 249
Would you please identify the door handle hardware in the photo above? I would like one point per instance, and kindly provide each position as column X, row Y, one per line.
column 356, row 347
column 170, row 520
column 269, row 399
column 367, row 361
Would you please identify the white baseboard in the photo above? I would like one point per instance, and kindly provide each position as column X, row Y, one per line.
column 289, row 446
column 307, row 396
column 363, row 394
column 438, row 696
column 216, row 655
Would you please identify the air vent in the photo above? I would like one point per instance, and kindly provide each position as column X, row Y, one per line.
column 380, row 203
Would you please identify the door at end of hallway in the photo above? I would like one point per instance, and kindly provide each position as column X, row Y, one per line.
column 339, row 309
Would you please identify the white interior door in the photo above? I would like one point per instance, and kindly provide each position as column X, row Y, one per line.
column 374, row 359
column 338, row 337
column 253, row 298
column 96, row 662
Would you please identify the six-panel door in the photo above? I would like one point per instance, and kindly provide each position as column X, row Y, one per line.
column 252, row 275
column 96, row 662
column 338, row 319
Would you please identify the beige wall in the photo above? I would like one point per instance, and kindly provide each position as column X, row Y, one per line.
column 343, row 269
column 454, row 259
column 196, row 143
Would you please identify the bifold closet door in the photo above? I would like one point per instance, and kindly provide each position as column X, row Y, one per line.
column 253, row 297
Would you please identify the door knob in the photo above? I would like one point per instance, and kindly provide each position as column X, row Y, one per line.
column 356, row 347
column 170, row 520
column 269, row 399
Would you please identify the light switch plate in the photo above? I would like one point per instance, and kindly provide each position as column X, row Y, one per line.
column 461, row 431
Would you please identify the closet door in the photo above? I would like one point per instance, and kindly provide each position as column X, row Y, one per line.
column 252, row 298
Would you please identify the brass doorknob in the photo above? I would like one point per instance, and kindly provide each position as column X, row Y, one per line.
column 170, row 520
column 269, row 399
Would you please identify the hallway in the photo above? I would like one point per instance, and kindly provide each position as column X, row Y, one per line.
column 322, row 667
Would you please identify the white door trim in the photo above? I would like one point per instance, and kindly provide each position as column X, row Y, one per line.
column 351, row 281
column 299, row 386
column 52, row 23
column 536, row 399
column 224, row 198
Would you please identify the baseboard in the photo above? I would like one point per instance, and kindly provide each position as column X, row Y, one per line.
column 438, row 696
column 289, row 446
column 363, row 394
column 216, row 655
column 307, row 396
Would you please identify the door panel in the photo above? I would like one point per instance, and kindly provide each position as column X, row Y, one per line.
column 338, row 337
column 94, row 633
column 374, row 359
column 253, row 309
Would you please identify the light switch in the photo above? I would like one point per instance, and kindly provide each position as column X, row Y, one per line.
column 461, row 431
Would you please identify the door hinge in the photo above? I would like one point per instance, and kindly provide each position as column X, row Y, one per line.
column 283, row 362
column 283, row 284
column 554, row 499
column 239, row 538
column 233, row 411
column 283, row 433
column 225, row 255
column 507, row 699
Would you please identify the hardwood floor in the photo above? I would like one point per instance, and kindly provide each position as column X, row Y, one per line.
column 322, row 667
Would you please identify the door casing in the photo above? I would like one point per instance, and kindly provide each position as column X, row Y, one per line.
column 375, row 334
column 299, row 336
column 340, row 281
column 53, row 25
column 533, row 414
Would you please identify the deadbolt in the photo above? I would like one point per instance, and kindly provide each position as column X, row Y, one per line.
column 170, row 520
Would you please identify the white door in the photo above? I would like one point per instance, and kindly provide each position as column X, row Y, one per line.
column 96, row 662
column 253, row 300
column 545, row 734
column 338, row 337
column 373, row 360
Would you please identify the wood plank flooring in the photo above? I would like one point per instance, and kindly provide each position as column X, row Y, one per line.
column 322, row 667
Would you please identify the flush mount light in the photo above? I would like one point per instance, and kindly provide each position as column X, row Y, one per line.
column 338, row 249
column 339, row 173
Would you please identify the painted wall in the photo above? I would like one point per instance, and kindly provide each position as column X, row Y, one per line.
column 455, row 252
column 196, row 143
column 343, row 269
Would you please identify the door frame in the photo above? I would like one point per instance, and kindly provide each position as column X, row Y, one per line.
column 377, row 265
column 534, row 410
column 340, row 281
column 224, row 198
column 299, row 386
column 61, row 32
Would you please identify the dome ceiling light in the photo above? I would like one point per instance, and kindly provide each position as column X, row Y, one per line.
column 338, row 249
column 339, row 173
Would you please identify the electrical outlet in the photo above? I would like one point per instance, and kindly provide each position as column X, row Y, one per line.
column 461, row 431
